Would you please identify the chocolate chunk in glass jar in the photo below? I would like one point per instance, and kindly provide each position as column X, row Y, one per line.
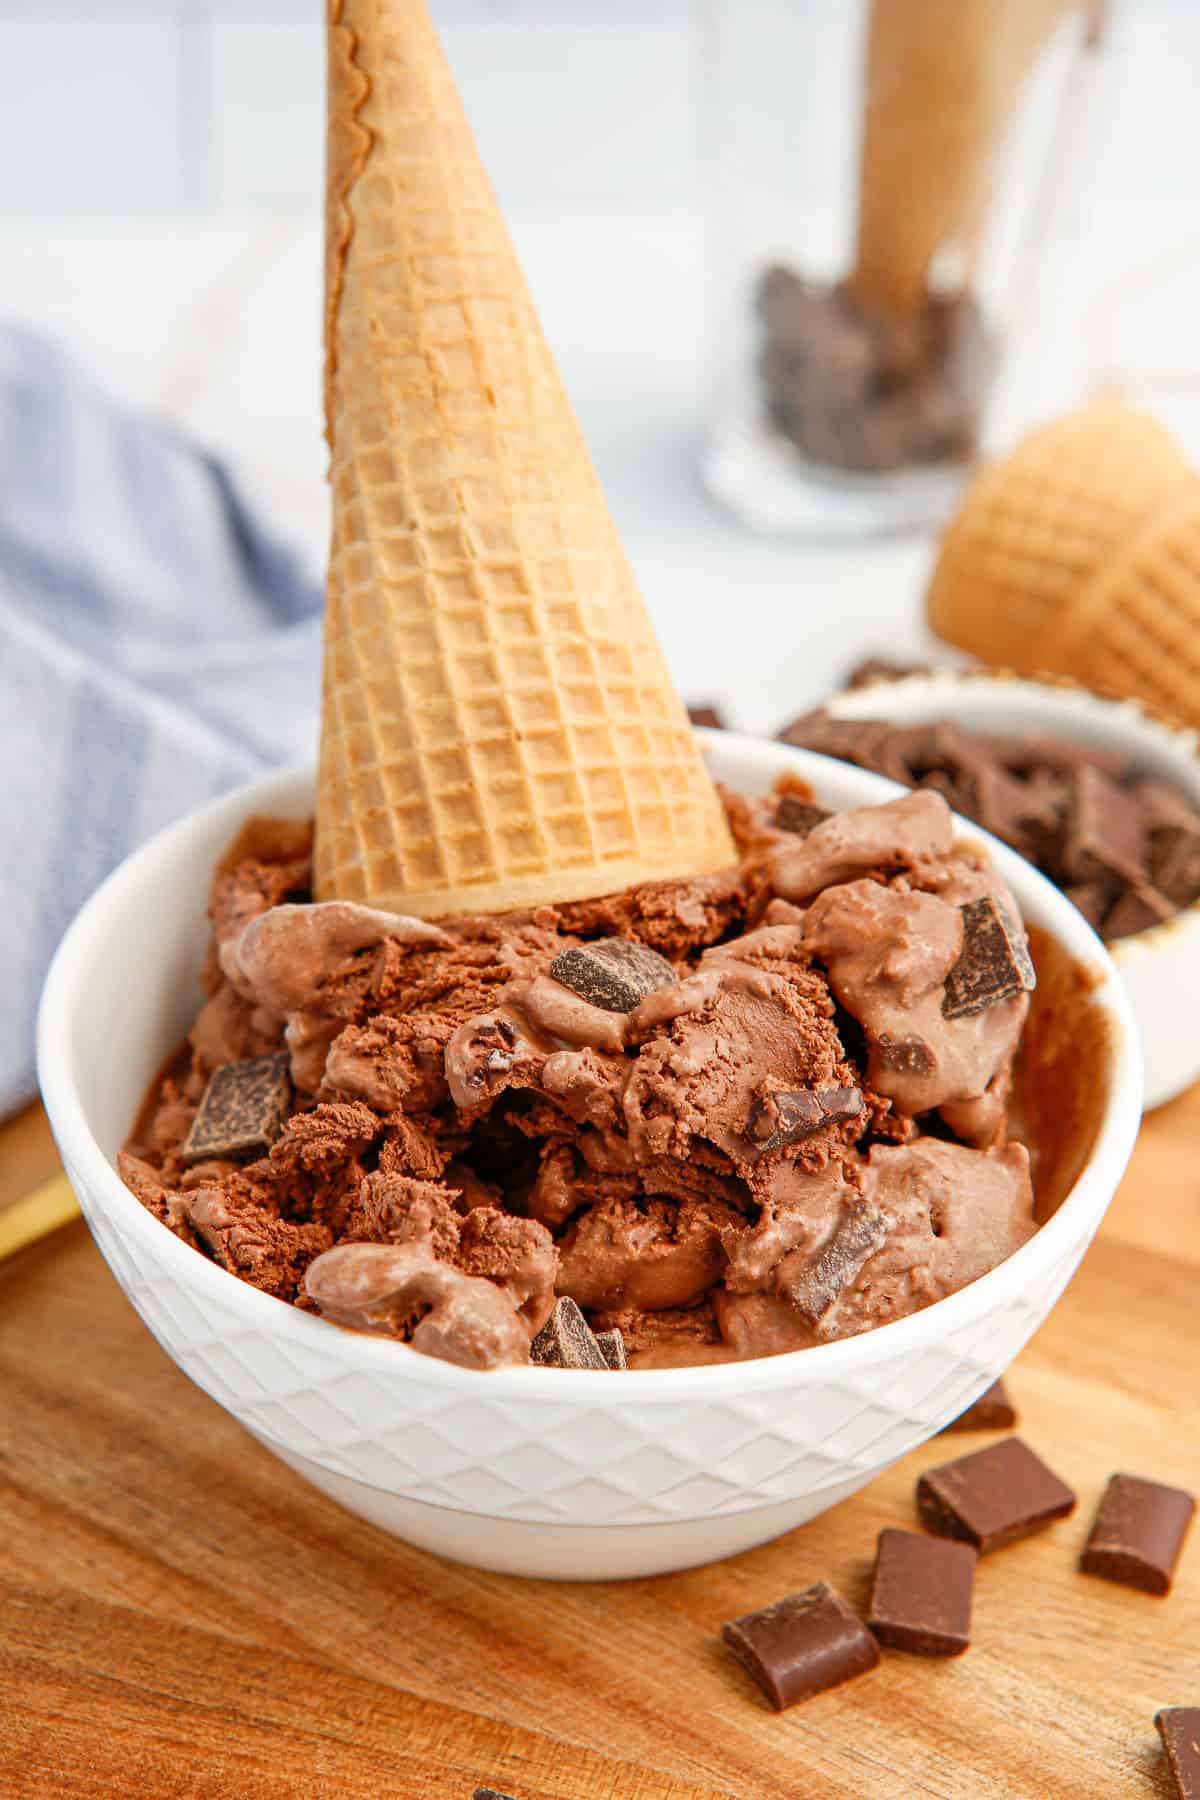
column 870, row 391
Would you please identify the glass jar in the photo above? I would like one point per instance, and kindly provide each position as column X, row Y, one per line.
column 882, row 177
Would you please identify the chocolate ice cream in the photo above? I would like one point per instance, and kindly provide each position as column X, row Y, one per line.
column 730, row 1116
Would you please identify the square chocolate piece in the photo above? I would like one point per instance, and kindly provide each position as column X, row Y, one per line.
column 994, row 963
column 1179, row 1729
column 993, row 1496
column 1138, row 1534
column 242, row 1112
column 993, row 1411
column 921, row 1595
column 612, row 973
column 802, row 1645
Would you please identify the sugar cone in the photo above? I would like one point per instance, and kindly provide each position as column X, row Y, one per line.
column 941, row 85
column 1034, row 529
column 499, row 725
column 1135, row 629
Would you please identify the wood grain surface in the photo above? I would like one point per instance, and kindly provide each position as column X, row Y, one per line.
column 180, row 1615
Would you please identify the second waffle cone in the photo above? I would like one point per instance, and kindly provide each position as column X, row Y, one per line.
column 1135, row 629
column 1035, row 528
column 499, row 725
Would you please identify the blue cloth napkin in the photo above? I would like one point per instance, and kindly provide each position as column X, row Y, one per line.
column 156, row 647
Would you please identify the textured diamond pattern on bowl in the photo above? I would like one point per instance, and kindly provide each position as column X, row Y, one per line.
column 625, row 1462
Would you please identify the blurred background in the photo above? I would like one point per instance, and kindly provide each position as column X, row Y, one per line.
column 160, row 215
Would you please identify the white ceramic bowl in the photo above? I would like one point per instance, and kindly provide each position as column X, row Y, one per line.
column 1160, row 966
column 530, row 1471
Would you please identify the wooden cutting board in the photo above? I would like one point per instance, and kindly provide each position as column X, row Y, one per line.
column 180, row 1615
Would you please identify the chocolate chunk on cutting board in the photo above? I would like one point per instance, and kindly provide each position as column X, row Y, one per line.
column 993, row 1496
column 1179, row 1729
column 802, row 1645
column 921, row 1593
column 993, row 1411
column 1138, row 1533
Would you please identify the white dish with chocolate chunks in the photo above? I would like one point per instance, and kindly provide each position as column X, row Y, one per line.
column 1130, row 854
column 477, row 1462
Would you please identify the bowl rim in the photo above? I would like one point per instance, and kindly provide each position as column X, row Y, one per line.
column 1078, row 1214
column 1128, row 721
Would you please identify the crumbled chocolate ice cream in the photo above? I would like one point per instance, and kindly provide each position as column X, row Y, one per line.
column 723, row 1118
column 1123, row 846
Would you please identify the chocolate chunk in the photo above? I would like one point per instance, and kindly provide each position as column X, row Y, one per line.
column 242, row 1112
column 993, row 1411
column 1175, row 865
column 905, row 1056
column 921, row 1594
column 1094, row 900
column 567, row 1341
column 490, row 1794
column 1125, row 848
column 1179, row 1729
column 612, row 1348
column 1138, row 1533
column 710, row 716
column 859, row 1232
column 1137, row 909
column 868, row 390
column 875, row 669
column 995, row 961
column 786, row 1115
column 794, row 814
column 993, row 1496
column 614, row 973
column 802, row 1645
column 1105, row 830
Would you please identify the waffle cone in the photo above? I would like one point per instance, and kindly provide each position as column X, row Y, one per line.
column 941, row 85
column 1035, row 529
column 499, row 726
column 1135, row 629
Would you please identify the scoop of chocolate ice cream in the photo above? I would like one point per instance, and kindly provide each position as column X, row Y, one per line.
column 730, row 1118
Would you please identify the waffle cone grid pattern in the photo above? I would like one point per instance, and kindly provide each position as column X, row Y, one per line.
column 1141, row 634
column 500, row 724
column 1035, row 529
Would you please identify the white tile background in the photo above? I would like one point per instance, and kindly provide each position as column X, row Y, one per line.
column 160, row 170
column 212, row 103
